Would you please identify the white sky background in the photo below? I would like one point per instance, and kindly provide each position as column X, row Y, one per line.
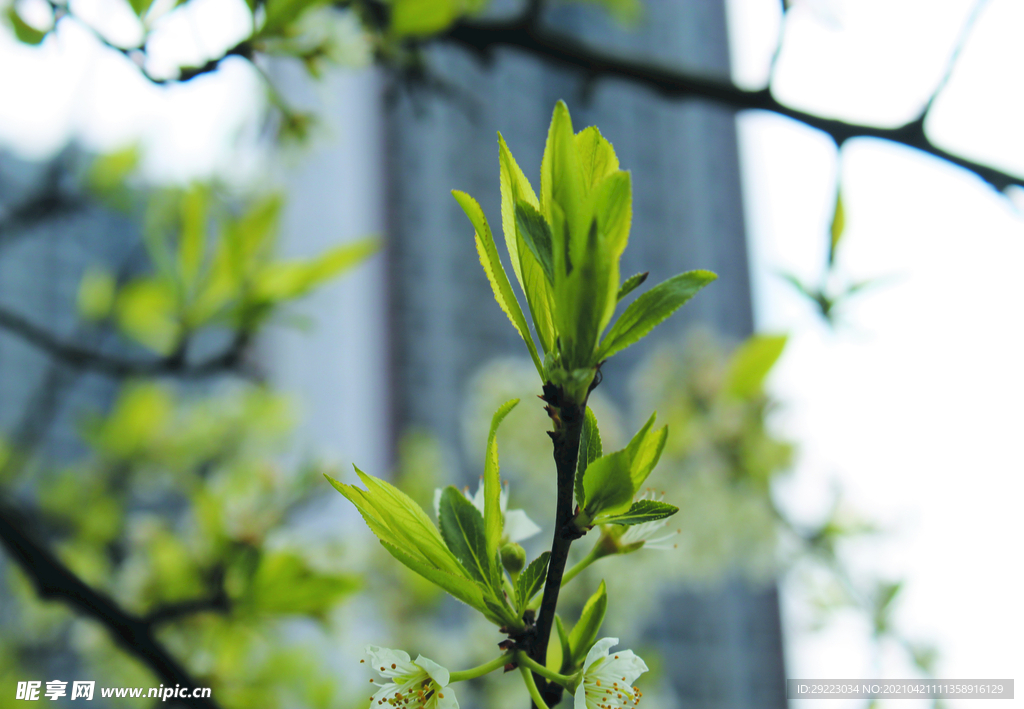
column 914, row 405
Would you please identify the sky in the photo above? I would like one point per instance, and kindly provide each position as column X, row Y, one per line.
column 910, row 405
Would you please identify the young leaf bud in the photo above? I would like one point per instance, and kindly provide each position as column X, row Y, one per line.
column 513, row 558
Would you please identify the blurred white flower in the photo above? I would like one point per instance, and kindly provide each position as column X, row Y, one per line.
column 422, row 684
column 518, row 526
column 608, row 679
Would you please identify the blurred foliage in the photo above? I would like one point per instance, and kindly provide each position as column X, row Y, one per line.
column 212, row 268
column 181, row 515
column 180, row 509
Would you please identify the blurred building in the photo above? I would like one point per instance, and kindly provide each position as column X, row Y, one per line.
column 51, row 230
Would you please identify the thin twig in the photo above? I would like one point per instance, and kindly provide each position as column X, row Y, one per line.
column 561, row 49
column 954, row 57
column 566, row 444
column 78, row 357
column 53, row 580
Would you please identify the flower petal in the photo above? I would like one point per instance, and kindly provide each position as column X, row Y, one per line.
column 478, row 497
column 599, row 650
column 386, row 692
column 437, row 673
column 518, row 526
column 579, row 701
column 382, row 659
column 623, row 665
column 446, row 699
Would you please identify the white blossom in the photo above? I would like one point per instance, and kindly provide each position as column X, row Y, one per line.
column 422, row 684
column 608, row 679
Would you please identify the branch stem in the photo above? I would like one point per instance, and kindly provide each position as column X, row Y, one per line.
column 583, row 563
column 53, row 580
column 531, row 686
column 480, row 671
column 568, row 416
column 523, row 659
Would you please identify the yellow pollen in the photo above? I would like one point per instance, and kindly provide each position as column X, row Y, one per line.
column 393, row 665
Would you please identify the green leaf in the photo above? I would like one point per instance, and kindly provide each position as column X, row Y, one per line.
column 26, row 33
column 585, row 302
column 281, row 13
column 608, row 485
column 588, row 296
column 651, row 308
column 285, row 583
column 251, row 236
column 597, row 156
column 492, row 481
column 884, row 597
column 462, row 528
column 491, row 263
column 631, row 284
column 644, row 451
column 590, row 450
column 536, row 284
column 563, row 642
column 628, row 12
column 292, row 279
column 458, row 586
column 537, row 235
column 396, row 519
column 642, row 511
column 147, row 312
column 423, row 17
column 837, row 228
column 141, row 7
column 531, row 581
column 584, row 634
column 561, row 186
column 750, row 363
column 194, row 213
column 96, row 294
column 613, row 209
column 108, row 172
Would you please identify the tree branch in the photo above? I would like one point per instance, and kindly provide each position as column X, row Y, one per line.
column 53, row 580
column 78, row 357
column 568, row 418
column 218, row 602
column 561, row 49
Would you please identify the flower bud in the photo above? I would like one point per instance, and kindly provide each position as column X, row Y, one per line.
column 513, row 558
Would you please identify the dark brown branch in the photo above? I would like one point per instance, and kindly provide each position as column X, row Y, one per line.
column 77, row 357
column 568, row 418
column 53, row 580
column 557, row 48
column 137, row 55
column 217, row 603
column 954, row 57
column 42, row 207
